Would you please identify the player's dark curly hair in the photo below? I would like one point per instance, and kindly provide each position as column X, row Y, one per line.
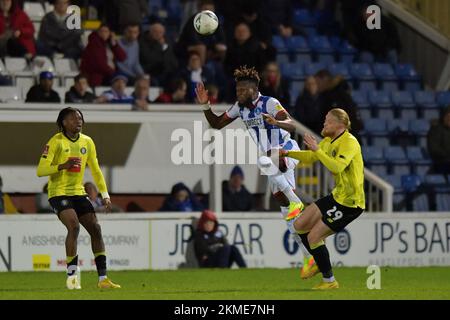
column 246, row 74
column 62, row 115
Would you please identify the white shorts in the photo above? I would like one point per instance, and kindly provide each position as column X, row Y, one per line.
column 291, row 164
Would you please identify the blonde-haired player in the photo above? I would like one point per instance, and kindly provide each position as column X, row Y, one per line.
column 340, row 153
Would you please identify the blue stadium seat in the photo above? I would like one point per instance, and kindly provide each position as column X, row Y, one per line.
column 411, row 182
column 346, row 52
column 303, row 58
column 293, row 71
column 381, row 104
column 418, row 159
column 426, row 104
column 376, row 126
column 312, row 68
column 279, row 43
column 295, row 88
column 363, row 76
column 365, row 108
column 399, row 195
column 419, row 126
column 397, row 161
column 322, row 49
column 366, row 57
column 386, row 77
column 339, row 69
column 420, row 203
column 297, row 44
column 443, row 99
column 283, row 58
column 442, row 201
column 304, row 17
column 397, row 126
column 410, row 80
column 374, row 160
column 435, row 180
column 404, row 102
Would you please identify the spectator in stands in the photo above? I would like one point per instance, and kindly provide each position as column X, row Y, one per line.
column 235, row 196
column 117, row 92
column 194, row 73
column 438, row 139
column 131, row 67
column 251, row 12
column 98, row 60
column 244, row 50
column 274, row 85
column 383, row 43
column 279, row 14
column 41, row 200
column 43, row 91
column 211, row 46
column 79, row 93
column 211, row 246
column 175, row 92
column 16, row 31
column 120, row 13
column 307, row 109
column 181, row 199
column 6, row 204
column 156, row 55
column 54, row 35
column 334, row 92
column 96, row 199
column 141, row 94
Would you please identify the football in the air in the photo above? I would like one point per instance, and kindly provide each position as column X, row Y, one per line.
column 206, row 22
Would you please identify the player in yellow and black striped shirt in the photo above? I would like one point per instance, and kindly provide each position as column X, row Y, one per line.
column 64, row 160
column 340, row 153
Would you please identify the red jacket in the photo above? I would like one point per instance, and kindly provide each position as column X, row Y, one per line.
column 20, row 21
column 94, row 61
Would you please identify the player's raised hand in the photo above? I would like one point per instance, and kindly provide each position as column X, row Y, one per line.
column 202, row 93
column 310, row 142
column 269, row 119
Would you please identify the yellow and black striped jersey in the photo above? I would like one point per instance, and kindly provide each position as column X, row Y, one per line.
column 69, row 182
column 343, row 157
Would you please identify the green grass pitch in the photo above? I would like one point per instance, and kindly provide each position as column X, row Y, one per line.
column 240, row 284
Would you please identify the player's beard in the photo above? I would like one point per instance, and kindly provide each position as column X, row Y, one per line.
column 246, row 104
column 324, row 133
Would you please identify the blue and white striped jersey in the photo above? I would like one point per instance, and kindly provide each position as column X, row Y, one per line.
column 266, row 136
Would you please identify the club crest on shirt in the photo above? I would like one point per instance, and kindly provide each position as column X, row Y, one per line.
column 258, row 111
column 333, row 153
column 83, row 150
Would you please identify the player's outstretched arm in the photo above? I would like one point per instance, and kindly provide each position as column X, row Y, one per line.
column 216, row 122
column 282, row 120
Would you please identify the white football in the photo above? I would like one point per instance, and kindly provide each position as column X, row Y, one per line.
column 206, row 22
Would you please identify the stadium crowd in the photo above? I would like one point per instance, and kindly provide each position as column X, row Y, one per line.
column 143, row 44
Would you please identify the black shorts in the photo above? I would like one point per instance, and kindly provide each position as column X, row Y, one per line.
column 80, row 204
column 335, row 215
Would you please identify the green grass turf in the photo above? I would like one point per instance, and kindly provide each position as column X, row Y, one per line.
column 208, row 284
